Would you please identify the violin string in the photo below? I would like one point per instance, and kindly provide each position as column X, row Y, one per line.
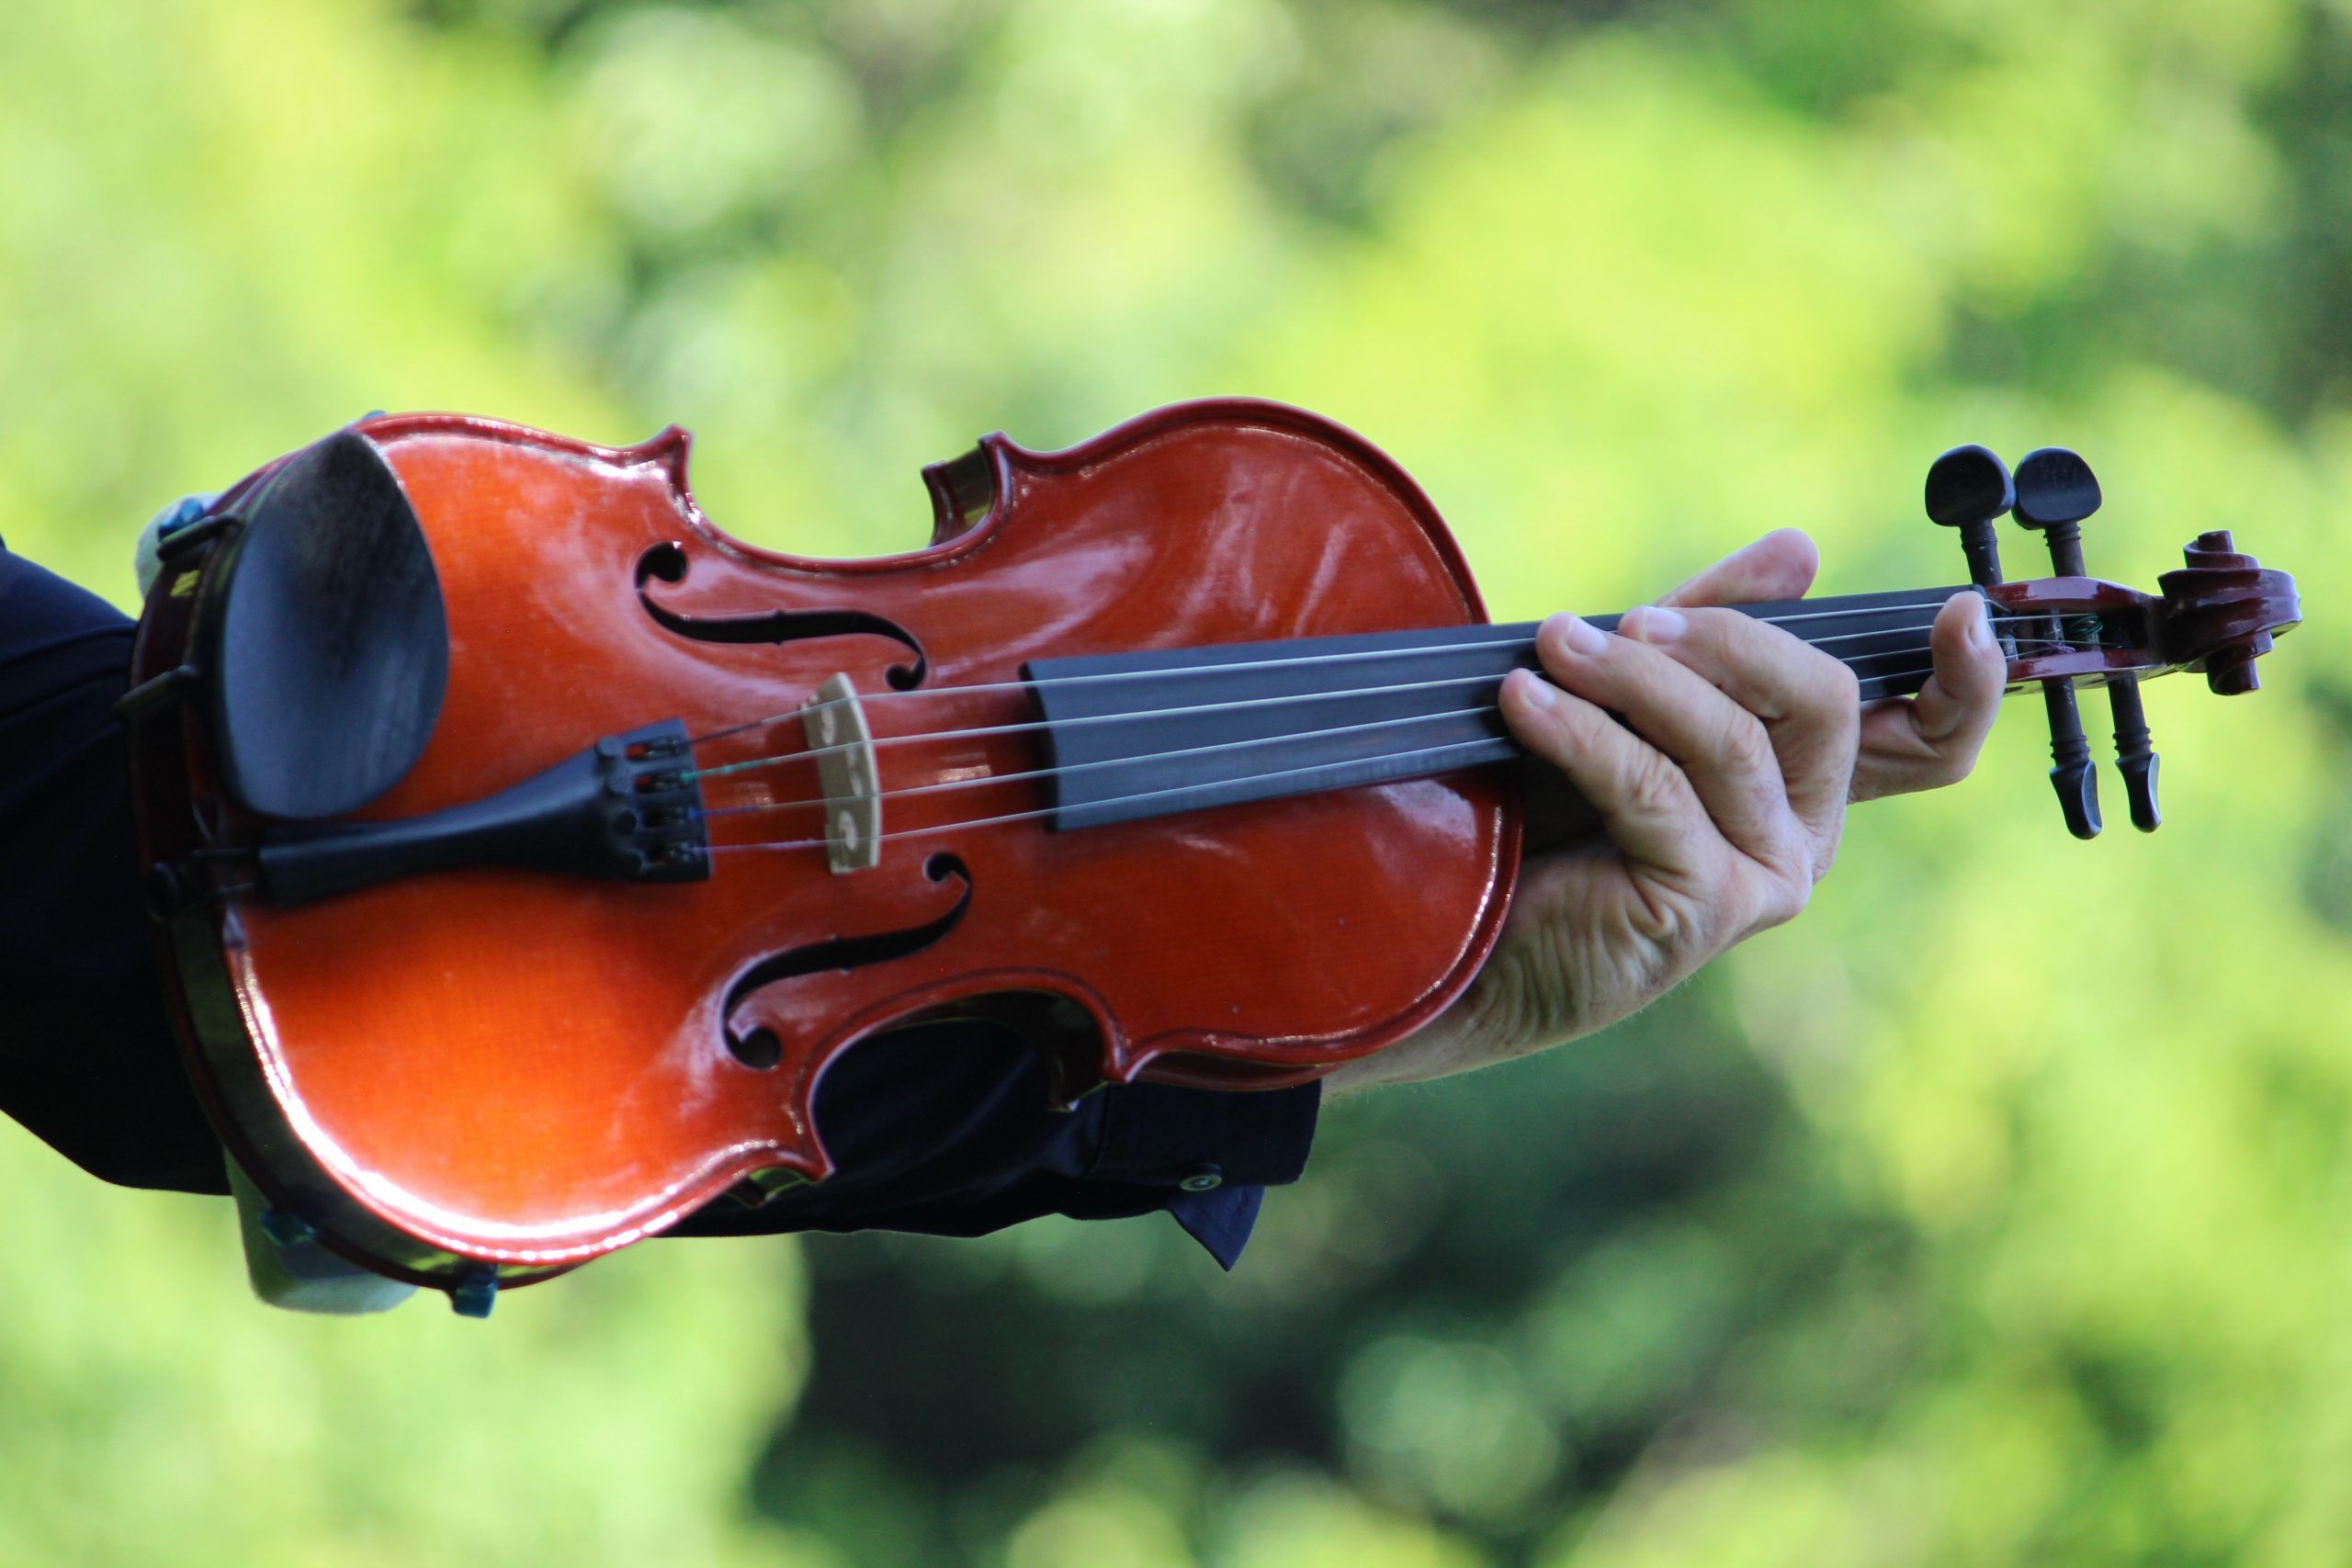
column 1293, row 660
column 818, row 843
column 1034, row 774
column 1417, row 756
column 1087, row 719
column 806, row 753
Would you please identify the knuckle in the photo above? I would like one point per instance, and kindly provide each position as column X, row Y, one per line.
column 1951, row 766
column 1552, row 654
column 1743, row 744
column 1783, row 900
column 1551, row 732
column 1723, row 639
column 1705, row 625
column 1825, row 855
column 1779, row 671
column 1797, row 865
column 1674, row 915
column 1652, row 785
column 1823, row 680
column 1574, row 728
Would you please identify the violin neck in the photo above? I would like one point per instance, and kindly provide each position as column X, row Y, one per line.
column 1142, row 735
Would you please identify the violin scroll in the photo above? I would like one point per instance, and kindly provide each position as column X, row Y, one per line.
column 2221, row 612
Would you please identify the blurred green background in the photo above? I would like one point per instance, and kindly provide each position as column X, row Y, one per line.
column 1999, row 1210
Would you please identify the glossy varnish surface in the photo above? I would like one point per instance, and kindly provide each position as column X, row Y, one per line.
column 534, row 1069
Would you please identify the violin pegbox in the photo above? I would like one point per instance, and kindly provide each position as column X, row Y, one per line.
column 1969, row 488
column 2217, row 615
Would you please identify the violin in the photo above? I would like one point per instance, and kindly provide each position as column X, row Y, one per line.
column 524, row 848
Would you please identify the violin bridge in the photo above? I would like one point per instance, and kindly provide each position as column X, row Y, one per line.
column 835, row 724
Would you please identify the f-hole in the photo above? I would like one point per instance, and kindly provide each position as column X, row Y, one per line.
column 667, row 563
column 760, row 1047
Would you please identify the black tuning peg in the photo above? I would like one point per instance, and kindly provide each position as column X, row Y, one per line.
column 1969, row 489
column 2071, row 773
column 2056, row 491
column 2135, row 753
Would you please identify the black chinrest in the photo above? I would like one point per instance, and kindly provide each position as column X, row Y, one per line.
column 327, row 655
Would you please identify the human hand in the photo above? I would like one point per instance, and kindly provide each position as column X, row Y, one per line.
column 1720, row 798
column 1907, row 744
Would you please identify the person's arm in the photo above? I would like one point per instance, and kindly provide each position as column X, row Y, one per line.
column 1721, row 799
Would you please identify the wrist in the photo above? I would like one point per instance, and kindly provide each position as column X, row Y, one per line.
column 1470, row 1034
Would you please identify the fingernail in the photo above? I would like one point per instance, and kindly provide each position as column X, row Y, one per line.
column 1534, row 689
column 1656, row 623
column 1980, row 623
column 1580, row 635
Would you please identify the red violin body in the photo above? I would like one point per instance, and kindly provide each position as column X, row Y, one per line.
column 495, row 1067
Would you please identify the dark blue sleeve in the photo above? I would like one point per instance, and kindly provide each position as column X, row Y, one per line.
column 86, row 1058
column 948, row 1129
column 943, row 1129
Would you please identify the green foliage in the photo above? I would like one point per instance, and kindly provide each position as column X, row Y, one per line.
column 1994, row 1212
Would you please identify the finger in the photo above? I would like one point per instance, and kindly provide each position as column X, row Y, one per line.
column 1804, row 699
column 1932, row 739
column 1718, row 745
column 1781, row 565
column 1645, row 804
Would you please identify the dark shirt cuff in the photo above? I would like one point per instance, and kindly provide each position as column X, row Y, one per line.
column 947, row 1130
column 1219, row 1150
column 87, row 1057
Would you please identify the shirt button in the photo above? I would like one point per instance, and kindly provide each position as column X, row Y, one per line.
column 1202, row 1178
